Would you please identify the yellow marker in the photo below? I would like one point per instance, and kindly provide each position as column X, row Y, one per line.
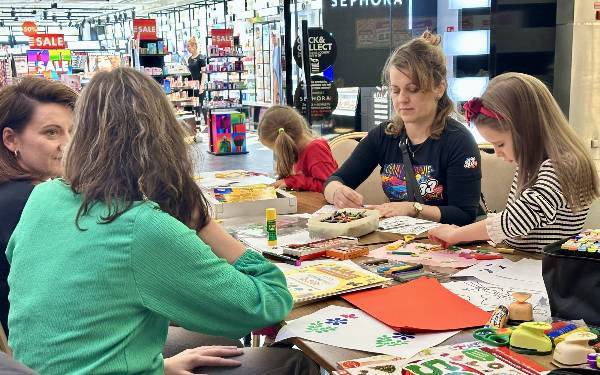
column 394, row 246
column 271, row 215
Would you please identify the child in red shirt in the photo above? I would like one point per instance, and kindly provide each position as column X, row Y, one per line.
column 304, row 162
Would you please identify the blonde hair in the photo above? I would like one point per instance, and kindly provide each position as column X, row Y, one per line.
column 128, row 146
column 423, row 60
column 540, row 131
column 193, row 41
column 281, row 127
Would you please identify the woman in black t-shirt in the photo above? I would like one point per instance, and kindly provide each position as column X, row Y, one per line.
column 197, row 67
column 35, row 127
column 444, row 155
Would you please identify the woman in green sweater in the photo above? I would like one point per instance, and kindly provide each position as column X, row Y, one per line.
column 103, row 259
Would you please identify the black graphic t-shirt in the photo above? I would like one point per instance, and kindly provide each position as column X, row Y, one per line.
column 195, row 64
column 448, row 170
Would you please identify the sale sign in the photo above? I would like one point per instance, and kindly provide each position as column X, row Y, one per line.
column 222, row 37
column 29, row 28
column 47, row 41
column 144, row 28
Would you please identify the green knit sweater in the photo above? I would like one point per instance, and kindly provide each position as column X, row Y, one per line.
column 100, row 300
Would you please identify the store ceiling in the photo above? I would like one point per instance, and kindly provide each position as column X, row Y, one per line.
column 62, row 12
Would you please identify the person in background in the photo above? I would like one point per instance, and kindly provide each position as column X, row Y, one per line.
column 197, row 67
column 277, row 96
column 103, row 259
column 555, row 182
column 445, row 183
column 35, row 121
column 304, row 162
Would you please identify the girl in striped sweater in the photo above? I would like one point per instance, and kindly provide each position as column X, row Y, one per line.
column 555, row 182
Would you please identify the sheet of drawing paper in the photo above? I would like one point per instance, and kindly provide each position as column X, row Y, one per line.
column 423, row 255
column 353, row 329
column 488, row 296
column 262, row 245
column 419, row 305
column 328, row 208
column 506, row 273
column 406, row 225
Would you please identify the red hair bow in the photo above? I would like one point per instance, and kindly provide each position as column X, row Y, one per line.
column 474, row 107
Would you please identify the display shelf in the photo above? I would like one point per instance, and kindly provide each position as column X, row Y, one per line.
column 212, row 90
column 154, row 54
column 228, row 71
column 226, row 56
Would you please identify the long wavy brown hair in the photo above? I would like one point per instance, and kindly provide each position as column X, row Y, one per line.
column 423, row 60
column 540, row 131
column 128, row 146
column 18, row 102
column 285, row 141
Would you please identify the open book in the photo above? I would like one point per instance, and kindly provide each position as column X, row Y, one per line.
column 327, row 278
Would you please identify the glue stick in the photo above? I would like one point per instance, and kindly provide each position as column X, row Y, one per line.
column 271, row 215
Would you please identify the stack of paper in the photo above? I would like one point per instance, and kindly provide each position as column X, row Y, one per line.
column 418, row 306
column 353, row 329
column 406, row 225
column 327, row 278
column 525, row 274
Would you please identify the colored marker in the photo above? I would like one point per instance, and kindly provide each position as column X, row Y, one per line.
column 281, row 258
column 402, row 252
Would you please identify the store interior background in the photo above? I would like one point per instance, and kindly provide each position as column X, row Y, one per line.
column 557, row 41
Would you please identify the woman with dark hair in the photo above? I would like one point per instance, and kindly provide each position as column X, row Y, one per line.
column 35, row 121
column 129, row 232
column 444, row 184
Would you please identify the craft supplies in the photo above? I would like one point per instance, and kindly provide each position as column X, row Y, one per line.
column 587, row 243
column 406, row 225
column 421, row 253
column 271, row 219
column 244, row 193
column 574, row 349
column 593, row 360
column 402, row 272
column 492, row 336
column 419, row 305
column 521, row 310
column 340, row 248
column 347, row 222
column 347, row 252
column 368, row 361
column 498, row 318
column 529, row 338
column 294, row 261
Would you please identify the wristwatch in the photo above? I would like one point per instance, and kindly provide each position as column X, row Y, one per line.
column 418, row 208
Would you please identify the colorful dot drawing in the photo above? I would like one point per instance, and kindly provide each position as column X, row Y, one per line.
column 386, row 340
column 319, row 327
column 349, row 316
column 385, row 368
column 336, row 321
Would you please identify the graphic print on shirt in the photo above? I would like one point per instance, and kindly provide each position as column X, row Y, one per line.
column 393, row 181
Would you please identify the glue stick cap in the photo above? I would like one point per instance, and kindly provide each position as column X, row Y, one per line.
column 271, row 213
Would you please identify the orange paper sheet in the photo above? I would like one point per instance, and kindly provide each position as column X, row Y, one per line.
column 419, row 305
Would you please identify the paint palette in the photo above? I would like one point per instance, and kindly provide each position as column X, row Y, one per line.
column 320, row 248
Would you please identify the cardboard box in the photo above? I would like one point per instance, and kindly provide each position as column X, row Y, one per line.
column 285, row 203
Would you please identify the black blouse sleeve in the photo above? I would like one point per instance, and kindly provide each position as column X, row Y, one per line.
column 463, row 183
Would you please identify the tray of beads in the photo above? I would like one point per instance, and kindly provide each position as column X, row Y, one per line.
column 345, row 222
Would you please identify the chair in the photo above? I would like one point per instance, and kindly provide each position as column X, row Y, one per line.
column 497, row 177
column 593, row 217
column 341, row 148
column 4, row 342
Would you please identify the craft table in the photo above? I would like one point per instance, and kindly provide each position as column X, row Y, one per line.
column 327, row 356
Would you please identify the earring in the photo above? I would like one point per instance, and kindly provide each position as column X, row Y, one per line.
column 16, row 154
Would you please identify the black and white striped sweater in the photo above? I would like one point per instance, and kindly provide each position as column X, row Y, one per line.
column 539, row 216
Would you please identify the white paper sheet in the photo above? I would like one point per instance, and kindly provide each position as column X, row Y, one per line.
column 353, row 329
column 487, row 296
column 406, row 225
column 328, row 208
column 523, row 275
column 260, row 243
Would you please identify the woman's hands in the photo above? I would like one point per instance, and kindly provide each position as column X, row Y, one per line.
column 344, row 197
column 445, row 235
column 394, row 209
column 185, row 362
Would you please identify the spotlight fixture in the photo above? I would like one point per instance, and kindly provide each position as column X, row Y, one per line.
column 54, row 5
column 45, row 13
column 70, row 23
column 34, row 11
column 16, row 19
column 1, row 23
column 116, row 18
column 132, row 13
column 54, row 17
column 12, row 12
column 69, row 15
column 107, row 19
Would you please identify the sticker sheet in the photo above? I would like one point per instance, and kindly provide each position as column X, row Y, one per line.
column 471, row 358
column 353, row 329
column 426, row 254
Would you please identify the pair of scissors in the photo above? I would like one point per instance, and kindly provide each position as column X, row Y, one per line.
column 493, row 336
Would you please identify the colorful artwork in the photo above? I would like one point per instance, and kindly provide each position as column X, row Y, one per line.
column 393, row 181
column 426, row 254
column 471, row 358
column 341, row 326
column 329, row 278
column 244, row 193
column 228, row 133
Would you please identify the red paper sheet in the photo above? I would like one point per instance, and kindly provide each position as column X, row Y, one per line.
column 419, row 305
